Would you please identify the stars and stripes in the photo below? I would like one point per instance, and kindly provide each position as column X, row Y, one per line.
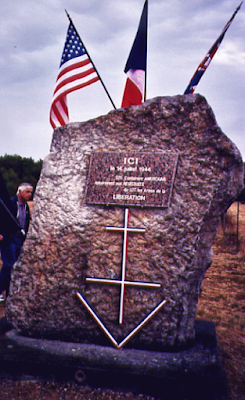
column 208, row 58
column 136, row 65
column 76, row 71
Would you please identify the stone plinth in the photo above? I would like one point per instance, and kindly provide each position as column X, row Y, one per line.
column 193, row 373
column 68, row 240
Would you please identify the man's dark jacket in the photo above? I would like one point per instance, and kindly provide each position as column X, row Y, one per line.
column 8, row 228
column 14, row 201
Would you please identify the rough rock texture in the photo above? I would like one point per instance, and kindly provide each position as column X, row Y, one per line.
column 68, row 240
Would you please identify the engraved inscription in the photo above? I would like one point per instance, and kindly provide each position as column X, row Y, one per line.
column 131, row 179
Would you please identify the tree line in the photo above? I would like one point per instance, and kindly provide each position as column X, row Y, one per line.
column 16, row 169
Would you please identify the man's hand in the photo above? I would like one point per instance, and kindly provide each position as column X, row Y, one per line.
column 1, row 237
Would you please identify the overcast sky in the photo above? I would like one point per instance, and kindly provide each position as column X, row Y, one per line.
column 179, row 35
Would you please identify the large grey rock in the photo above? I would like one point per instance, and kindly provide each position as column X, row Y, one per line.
column 68, row 240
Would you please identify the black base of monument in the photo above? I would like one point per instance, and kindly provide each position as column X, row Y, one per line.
column 193, row 373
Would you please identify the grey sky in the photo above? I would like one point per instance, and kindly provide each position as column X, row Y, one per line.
column 179, row 35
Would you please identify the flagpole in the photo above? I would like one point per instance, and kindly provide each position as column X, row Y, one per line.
column 238, row 8
column 91, row 61
column 10, row 214
column 146, row 49
column 209, row 56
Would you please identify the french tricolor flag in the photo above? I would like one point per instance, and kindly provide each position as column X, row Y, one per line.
column 135, row 68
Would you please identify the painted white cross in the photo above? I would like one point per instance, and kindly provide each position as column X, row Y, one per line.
column 123, row 282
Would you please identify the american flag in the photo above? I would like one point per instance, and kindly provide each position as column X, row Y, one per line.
column 208, row 58
column 76, row 71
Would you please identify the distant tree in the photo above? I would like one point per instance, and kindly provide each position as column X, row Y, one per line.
column 15, row 169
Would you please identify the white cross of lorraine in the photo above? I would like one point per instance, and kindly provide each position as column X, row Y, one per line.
column 123, row 282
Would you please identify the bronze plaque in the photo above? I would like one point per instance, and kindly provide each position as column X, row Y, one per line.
column 131, row 178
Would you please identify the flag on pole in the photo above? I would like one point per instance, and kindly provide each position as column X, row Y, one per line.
column 208, row 58
column 76, row 71
column 135, row 68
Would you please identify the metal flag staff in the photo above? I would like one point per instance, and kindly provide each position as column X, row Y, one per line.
column 11, row 215
column 209, row 56
column 91, row 61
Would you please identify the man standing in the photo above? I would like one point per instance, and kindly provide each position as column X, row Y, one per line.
column 11, row 244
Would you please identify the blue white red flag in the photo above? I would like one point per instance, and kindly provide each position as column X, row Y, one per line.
column 136, row 65
column 208, row 58
column 76, row 71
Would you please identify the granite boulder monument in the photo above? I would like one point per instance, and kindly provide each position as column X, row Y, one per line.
column 125, row 213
